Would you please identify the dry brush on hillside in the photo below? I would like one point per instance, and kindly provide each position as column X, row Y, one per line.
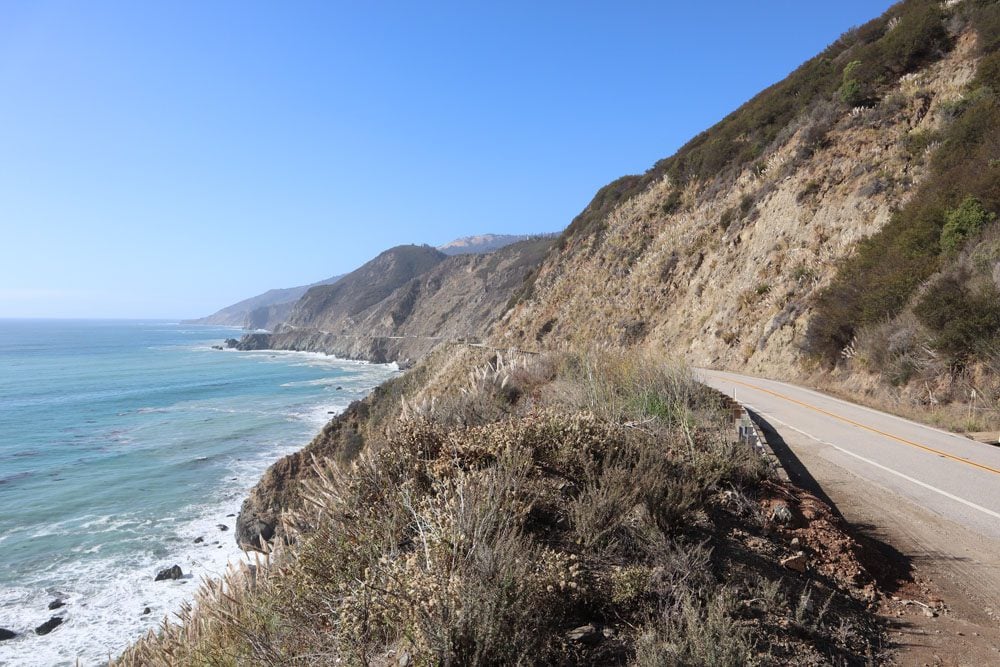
column 565, row 509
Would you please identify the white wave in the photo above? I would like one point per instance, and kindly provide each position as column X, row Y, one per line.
column 321, row 382
column 107, row 591
column 106, row 598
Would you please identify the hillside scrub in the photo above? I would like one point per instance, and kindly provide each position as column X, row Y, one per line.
column 855, row 69
column 951, row 206
column 565, row 509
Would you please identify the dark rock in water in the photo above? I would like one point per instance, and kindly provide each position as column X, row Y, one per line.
column 55, row 604
column 146, row 611
column 339, row 387
column 254, row 341
column 222, row 526
column 231, row 342
column 169, row 573
column 49, row 625
column 6, row 634
column 199, row 540
column 230, row 515
column 218, row 347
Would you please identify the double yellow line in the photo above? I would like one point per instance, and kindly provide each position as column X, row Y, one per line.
column 869, row 428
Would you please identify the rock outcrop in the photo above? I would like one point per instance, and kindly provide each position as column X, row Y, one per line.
column 49, row 625
column 173, row 572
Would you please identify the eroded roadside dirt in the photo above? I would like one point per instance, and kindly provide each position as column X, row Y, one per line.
column 940, row 582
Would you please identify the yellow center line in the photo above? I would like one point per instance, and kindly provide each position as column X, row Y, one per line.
column 869, row 428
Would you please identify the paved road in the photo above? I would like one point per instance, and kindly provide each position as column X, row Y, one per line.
column 954, row 477
column 932, row 496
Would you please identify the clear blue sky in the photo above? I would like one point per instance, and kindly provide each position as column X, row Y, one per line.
column 166, row 159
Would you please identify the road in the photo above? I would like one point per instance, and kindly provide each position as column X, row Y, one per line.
column 933, row 495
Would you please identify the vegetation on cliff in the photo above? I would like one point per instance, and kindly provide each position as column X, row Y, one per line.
column 842, row 220
column 566, row 509
column 952, row 208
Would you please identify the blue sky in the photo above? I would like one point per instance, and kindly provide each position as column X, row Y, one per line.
column 167, row 159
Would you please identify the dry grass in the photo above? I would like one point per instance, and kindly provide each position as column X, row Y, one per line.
column 542, row 495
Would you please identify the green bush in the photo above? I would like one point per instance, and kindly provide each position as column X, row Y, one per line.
column 964, row 222
column 851, row 92
column 964, row 319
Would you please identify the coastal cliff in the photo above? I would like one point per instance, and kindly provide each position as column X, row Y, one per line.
column 454, row 298
column 472, row 468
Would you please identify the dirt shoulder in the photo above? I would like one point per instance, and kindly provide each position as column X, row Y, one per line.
column 941, row 582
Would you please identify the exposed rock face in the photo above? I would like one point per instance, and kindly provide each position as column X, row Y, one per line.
column 278, row 489
column 723, row 271
column 250, row 342
column 6, row 634
column 334, row 307
column 173, row 572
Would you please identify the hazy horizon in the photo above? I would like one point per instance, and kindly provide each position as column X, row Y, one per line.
column 166, row 161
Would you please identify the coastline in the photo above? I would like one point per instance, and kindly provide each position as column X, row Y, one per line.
column 108, row 592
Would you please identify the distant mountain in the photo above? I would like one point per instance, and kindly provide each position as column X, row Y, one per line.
column 380, row 314
column 268, row 310
column 470, row 245
column 334, row 307
column 263, row 311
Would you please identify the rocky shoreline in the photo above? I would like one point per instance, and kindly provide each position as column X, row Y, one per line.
column 373, row 349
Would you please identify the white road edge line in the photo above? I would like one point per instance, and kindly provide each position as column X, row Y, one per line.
column 925, row 485
column 848, row 404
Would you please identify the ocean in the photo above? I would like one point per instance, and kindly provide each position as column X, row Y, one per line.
column 121, row 443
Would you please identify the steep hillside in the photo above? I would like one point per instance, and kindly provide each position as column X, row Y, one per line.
column 722, row 252
column 587, row 505
column 456, row 298
column 262, row 311
column 333, row 307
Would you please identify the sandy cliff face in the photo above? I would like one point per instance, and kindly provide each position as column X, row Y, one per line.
column 725, row 278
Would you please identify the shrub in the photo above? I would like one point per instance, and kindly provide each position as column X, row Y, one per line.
column 673, row 202
column 964, row 319
column 851, row 91
column 696, row 630
column 964, row 222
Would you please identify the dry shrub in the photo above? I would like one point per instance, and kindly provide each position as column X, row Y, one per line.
column 699, row 629
column 481, row 537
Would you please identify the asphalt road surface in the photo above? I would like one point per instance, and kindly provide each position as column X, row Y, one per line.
column 932, row 495
column 955, row 477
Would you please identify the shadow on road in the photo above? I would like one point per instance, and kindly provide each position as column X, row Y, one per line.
column 892, row 569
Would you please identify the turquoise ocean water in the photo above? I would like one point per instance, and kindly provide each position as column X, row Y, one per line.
column 121, row 442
